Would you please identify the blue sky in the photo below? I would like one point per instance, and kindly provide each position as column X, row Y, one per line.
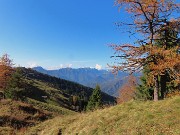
column 60, row 33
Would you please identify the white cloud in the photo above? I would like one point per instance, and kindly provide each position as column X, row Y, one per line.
column 98, row 67
column 69, row 65
column 59, row 67
column 55, row 67
column 32, row 64
column 52, row 68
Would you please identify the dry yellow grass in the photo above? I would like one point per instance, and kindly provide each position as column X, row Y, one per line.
column 132, row 118
column 16, row 116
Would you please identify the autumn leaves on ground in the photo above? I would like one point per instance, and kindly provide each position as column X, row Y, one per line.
column 35, row 103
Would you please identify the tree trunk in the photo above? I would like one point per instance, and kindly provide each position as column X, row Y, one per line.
column 163, row 85
column 156, row 88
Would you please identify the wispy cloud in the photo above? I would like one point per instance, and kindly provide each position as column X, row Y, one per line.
column 60, row 66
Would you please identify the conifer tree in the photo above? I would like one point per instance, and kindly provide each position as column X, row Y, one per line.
column 143, row 90
column 148, row 19
column 15, row 86
column 95, row 100
column 169, row 39
column 6, row 71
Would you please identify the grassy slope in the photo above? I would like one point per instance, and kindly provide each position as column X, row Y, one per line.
column 135, row 117
column 16, row 115
column 56, row 101
column 56, row 110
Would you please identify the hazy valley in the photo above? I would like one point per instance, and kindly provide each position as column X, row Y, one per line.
column 110, row 83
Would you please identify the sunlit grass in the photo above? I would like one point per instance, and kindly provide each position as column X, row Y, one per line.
column 50, row 107
column 132, row 118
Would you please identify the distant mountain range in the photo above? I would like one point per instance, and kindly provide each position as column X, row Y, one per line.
column 109, row 82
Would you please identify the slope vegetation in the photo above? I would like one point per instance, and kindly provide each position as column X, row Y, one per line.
column 15, row 115
column 44, row 97
column 47, row 90
column 132, row 118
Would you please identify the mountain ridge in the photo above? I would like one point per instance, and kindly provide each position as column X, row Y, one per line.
column 109, row 82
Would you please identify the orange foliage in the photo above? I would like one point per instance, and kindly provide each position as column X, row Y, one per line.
column 173, row 93
column 150, row 18
column 127, row 91
column 5, row 71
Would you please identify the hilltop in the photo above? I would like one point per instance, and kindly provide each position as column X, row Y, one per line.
column 130, row 118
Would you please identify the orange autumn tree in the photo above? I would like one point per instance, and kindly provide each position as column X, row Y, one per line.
column 6, row 71
column 149, row 19
column 127, row 91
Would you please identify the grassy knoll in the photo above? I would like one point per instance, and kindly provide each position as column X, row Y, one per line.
column 132, row 118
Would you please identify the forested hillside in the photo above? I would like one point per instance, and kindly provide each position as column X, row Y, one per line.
column 59, row 91
column 41, row 97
